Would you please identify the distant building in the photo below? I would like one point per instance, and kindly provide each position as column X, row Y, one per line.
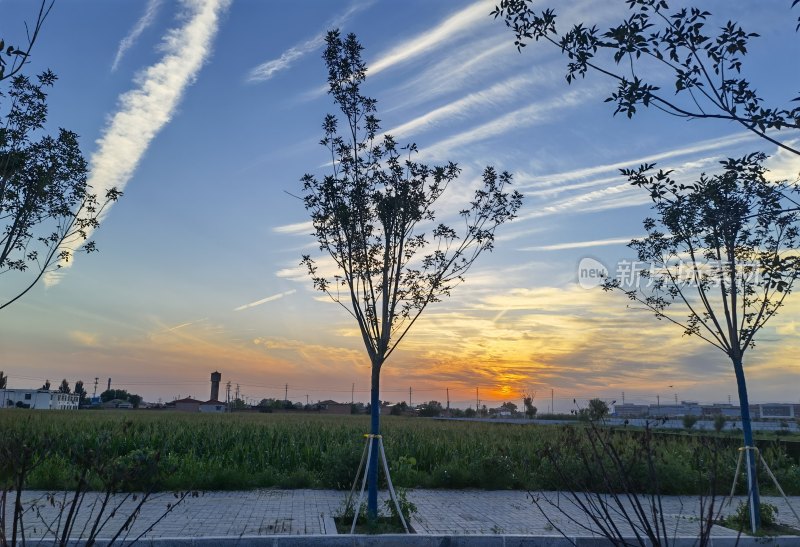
column 725, row 409
column 117, row 403
column 39, row 399
column 766, row 411
column 188, row 404
column 685, row 408
column 779, row 411
column 212, row 406
column 332, row 407
column 630, row 410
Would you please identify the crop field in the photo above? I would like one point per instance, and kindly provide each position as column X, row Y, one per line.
column 242, row 451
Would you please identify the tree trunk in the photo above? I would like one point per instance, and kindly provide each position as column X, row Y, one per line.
column 375, row 429
column 750, row 455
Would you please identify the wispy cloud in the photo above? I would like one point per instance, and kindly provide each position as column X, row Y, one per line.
column 612, row 197
column 694, row 148
column 454, row 26
column 783, row 164
column 450, row 72
column 182, row 325
column 461, row 68
column 145, row 110
column 268, row 69
column 480, row 55
column 298, row 228
column 533, row 114
column 144, row 21
column 265, row 300
column 608, row 191
column 580, row 244
column 494, row 95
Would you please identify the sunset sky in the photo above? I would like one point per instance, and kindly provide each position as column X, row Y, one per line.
column 208, row 112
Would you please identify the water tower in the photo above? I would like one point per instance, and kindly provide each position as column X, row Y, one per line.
column 216, row 378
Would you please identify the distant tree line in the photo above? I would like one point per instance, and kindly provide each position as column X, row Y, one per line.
column 122, row 395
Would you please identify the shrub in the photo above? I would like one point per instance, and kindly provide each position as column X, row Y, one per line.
column 740, row 519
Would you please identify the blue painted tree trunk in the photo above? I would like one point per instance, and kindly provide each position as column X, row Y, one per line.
column 375, row 429
column 751, row 455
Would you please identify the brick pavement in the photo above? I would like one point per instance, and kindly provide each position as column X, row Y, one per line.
column 266, row 512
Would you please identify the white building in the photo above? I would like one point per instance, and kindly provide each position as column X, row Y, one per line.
column 41, row 399
column 212, row 406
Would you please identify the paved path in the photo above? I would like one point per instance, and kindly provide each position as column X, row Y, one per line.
column 266, row 512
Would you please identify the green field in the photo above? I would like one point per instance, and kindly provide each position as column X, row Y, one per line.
column 242, row 451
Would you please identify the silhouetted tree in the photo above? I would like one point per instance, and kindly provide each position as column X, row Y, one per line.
column 597, row 410
column 368, row 216
column 122, row 395
column 46, row 206
column 399, row 409
column 46, row 385
column 3, row 380
column 530, row 410
column 64, row 387
column 80, row 391
column 703, row 59
column 724, row 249
column 509, row 406
column 18, row 55
column 111, row 394
column 431, row 409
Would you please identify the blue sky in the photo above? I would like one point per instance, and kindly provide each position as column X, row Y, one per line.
column 208, row 112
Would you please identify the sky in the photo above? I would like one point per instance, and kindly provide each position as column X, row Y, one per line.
column 208, row 112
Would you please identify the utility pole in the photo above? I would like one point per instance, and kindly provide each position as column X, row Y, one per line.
column 448, row 398
column 96, row 379
column 306, row 399
column 477, row 402
column 552, row 402
column 352, row 394
column 237, row 391
column 409, row 398
column 658, row 402
column 676, row 398
column 228, row 393
column 286, row 394
column 623, row 397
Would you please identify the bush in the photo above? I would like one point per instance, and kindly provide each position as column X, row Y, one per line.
column 602, row 473
column 740, row 519
column 407, row 508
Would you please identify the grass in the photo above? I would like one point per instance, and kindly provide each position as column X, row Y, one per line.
column 244, row 451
